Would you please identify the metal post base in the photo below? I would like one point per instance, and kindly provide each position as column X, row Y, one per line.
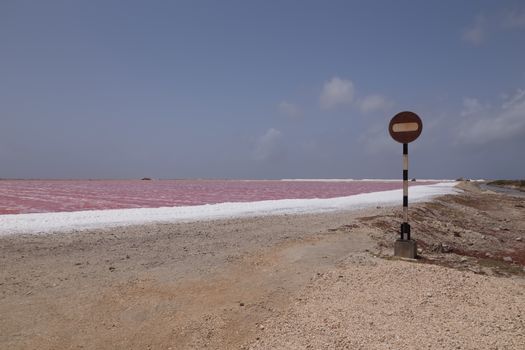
column 405, row 248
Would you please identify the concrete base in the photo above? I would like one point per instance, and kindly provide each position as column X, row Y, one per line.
column 405, row 248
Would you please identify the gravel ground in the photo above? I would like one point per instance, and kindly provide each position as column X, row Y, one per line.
column 180, row 286
column 373, row 303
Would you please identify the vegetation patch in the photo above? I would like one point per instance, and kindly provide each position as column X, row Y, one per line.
column 515, row 184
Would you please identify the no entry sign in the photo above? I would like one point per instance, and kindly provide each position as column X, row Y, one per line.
column 405, row 127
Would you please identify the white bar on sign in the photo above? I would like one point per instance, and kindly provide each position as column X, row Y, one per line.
column 405, row 127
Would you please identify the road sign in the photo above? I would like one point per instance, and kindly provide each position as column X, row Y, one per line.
column 405, row 127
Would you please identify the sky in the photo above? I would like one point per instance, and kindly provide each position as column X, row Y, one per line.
column 260, row 89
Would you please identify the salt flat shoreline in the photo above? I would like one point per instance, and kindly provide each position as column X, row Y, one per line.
column 272, row 282
column 94, row 219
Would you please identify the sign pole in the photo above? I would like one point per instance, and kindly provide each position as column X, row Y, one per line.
column 405, row 227
column 405, row 127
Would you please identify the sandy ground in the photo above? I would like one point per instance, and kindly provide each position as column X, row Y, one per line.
column 291, row 282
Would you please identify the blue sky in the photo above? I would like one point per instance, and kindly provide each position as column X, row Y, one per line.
column 260, row 89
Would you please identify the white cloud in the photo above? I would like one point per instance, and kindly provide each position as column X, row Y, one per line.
column 269, row 145
column 475, row 34
column 373, row 103
column 471, row 106
column 513, row 100
column 290, row 110
column 506, row 122
column 337, row 92
column 514, row 19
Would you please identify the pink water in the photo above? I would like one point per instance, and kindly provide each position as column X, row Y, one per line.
column 41, row 196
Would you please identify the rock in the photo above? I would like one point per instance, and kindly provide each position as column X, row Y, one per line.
column 457, row 234
column 507, row 259
column 261, row 327
column 488, row 255
column 241, row 304
column 441, row 248
column 518, row 239
column 463, row 259
column 112, row 268
column 419, row 250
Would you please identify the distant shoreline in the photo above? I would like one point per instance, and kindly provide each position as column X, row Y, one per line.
column 219, row 179
column 62, row 221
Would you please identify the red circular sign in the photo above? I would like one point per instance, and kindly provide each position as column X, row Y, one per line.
column 405, row 127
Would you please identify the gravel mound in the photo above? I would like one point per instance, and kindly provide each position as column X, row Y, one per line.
column 373, row 303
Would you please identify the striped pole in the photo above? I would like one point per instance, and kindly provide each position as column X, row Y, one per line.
column 405, row 227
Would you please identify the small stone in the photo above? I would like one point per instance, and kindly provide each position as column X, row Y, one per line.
column 261, row 327
column 429, row 295
column 241, row 304
column 483, row 237
column 507, row 259
column 518, row 239
column 445, row 248
column 488, row 255
column 127, row 256
column 419, row 250
column 457, row 234
column 111, row 268
column 441, row 248
column 463, row 259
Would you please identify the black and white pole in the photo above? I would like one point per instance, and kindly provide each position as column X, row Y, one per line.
column 405, row 127
column 405, row 227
